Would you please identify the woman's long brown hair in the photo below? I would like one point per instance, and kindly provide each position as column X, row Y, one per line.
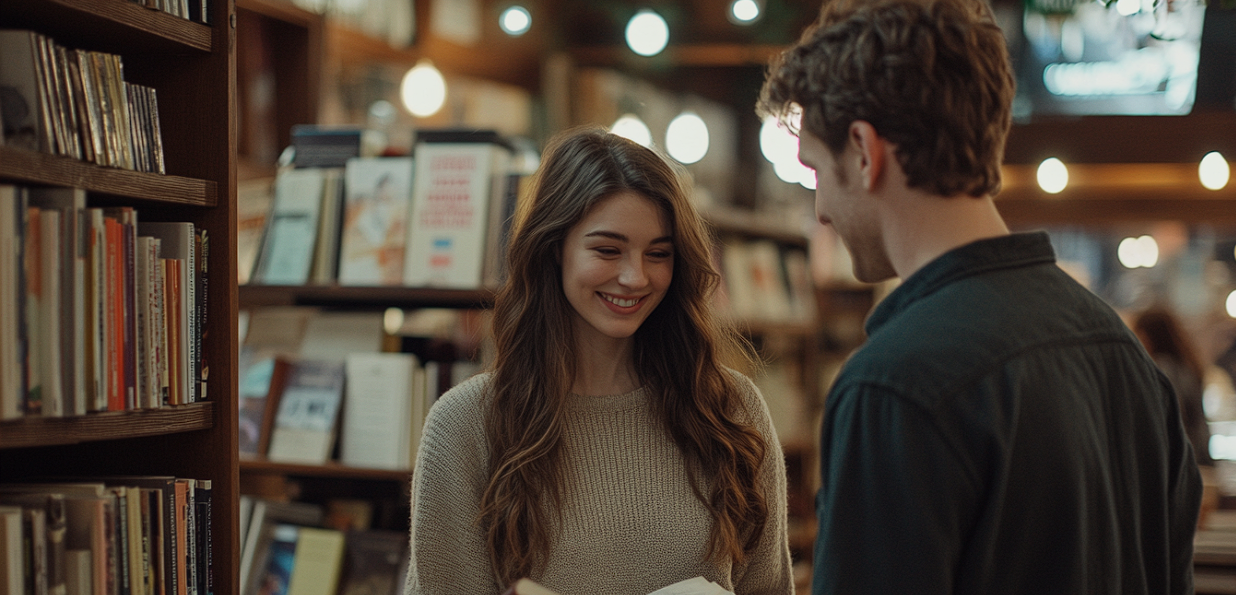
column 679, row 354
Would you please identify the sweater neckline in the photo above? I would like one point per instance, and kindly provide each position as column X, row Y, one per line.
column 616, row 402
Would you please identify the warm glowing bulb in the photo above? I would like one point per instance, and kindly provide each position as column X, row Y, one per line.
column 515, row 20
column 423, row 90
column 1149, row 250
column 1214, row 171
column 776, row 143
column 1053, row 176
column 1231, row 304
column 647, row 33
column 686, row 139
column 392, row 320
column 631, row 127
column 1138, row 252
column 745, row 11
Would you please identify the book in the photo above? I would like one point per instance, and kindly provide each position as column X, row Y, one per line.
column 253, row 202
column 282, row 556
column 305, row 425
column 318, row 562
column 324, row 146
column 12, row 303
column 382, row 406
column 27, row 113
column 326, row 252
column 177, row 246
column 262, row 380
column 372, row 563
column 376, row 205
column 331, row 335
column 259, row 535
column 453, row 194
column 70, row 204
column 287, row 249
column 54, row 526
column 12, row 559
column 692, row 586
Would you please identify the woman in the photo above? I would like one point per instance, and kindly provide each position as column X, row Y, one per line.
column 1167, row 343
column 608, row 450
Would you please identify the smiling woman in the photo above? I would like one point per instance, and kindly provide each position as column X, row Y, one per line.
column 609, row 434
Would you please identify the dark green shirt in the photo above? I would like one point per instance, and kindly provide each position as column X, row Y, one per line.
column 1002, row 431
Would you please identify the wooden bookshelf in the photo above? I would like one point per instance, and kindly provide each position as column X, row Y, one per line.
column 191, row 66
column 29, row 167
column 108, row 425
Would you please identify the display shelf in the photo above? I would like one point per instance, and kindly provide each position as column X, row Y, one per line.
column 363, row 297
column 265, row 467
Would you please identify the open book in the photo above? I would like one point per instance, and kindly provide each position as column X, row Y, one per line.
column 692, row 586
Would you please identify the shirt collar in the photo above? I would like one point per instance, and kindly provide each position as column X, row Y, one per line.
column 1003, row 252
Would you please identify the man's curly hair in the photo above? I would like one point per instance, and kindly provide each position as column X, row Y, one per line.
column 931, row 76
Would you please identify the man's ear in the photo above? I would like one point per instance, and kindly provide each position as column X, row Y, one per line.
column 871, row 152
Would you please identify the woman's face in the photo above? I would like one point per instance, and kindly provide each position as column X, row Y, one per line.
column 617, row 264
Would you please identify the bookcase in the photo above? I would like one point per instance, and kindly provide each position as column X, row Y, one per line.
column 191, row 65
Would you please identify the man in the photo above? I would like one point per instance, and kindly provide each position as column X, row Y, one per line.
column 1001, row 431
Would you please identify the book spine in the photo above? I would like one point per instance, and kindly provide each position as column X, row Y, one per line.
column 205, row 558
column 202, row 279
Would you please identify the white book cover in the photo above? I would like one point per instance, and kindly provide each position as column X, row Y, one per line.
column 288, row 247
column 378, row 191
column 450, row 214
column 377, row 410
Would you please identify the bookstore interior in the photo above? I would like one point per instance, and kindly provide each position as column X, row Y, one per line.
column 245, row 244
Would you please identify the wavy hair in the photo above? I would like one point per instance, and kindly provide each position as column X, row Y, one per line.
column 680, row 353
column 932, row 76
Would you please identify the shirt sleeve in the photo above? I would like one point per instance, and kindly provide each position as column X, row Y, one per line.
column 769, row 569
column 448, row 551
column 895, row 498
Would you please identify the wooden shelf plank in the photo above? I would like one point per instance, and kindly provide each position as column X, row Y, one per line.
column 265, row 467
column 109, row 24
column 109, row 425
column 363, row 297
column 31, row 167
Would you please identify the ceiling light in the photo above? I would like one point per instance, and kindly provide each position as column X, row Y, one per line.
column 1053, row 176
column 1214, row 171
column 631, row 127
column 647, row 33
column 423, row 90
column 686, row 139
column 515, row 20
column 744, row 12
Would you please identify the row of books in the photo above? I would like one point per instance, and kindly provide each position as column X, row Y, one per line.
column 436, row 219
column 193, row 10
column 121, row 535
column 767, row 282
column 98, row 311
column 293, row 548
column 76, row 103
column 294, row 410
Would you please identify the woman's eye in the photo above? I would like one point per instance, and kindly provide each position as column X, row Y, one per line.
column 607, row 251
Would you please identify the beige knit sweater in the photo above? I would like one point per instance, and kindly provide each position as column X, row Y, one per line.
column 630, row 522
